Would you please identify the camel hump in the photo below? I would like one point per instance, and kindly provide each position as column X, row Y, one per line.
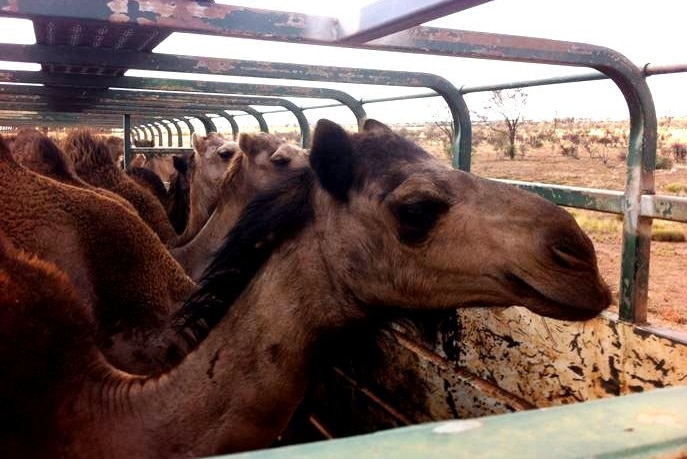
column 87, row 149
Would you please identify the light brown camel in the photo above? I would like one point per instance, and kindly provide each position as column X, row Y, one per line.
column 376, row 223
column 37, row 152
column 206, row 168
column 95, row 166
column 258, row 163
column 118, row 265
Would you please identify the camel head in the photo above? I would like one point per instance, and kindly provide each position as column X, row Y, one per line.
column 267, row 158
column 210, row 158
column 404, row 230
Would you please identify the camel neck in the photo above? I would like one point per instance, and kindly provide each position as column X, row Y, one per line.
column 239, row 388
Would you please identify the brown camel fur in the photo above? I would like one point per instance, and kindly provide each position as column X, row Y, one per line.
column 376, row 223
column 206, row 168
column 146, row 178
column 37, row 152
column 252, row 170
column 95, row 166
column 179, row 194
column 117, row 264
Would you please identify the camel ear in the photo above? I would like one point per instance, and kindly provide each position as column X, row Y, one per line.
column 331, row 158
column 198, row 142
column 374, row 125
column 246, row 143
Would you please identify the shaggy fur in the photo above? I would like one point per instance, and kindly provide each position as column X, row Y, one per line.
column 150, row 181
column 95, row 166
column 179, row 195
column 118, row 265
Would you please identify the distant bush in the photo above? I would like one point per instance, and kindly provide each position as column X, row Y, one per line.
column 664, row 162
column 679, row 151
column 668, row 235
column 677, row 188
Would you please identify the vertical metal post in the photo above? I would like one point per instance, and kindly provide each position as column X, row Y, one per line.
column 126, row 121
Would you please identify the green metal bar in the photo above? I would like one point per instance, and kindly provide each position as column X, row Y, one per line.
column 149, row 151
column 127, row 140
column 160, row 84
column 583, row 198
column 638, row 426
column 180, row 140
column 258, row 116
column 157, row 129
column 190, row 127
column 232, row 123
column 64, row 55
column 207, row 123
column 169, row 132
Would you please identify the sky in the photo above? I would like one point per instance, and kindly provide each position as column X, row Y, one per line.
column 645, row 32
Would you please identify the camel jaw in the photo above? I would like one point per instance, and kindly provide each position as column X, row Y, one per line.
column 568, row 306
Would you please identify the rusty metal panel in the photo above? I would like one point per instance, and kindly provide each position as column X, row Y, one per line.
column 549, row 362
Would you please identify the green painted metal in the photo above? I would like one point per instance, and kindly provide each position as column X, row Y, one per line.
column 161, row 84
column 207, row 122
column 258, row 116
column 583, row 198
column 383, row 17
column 167, row 129
column 232, row 123
column 646, row 425
column 156, row 129
column 174, row 63
column 180, row 139
column 126, row 124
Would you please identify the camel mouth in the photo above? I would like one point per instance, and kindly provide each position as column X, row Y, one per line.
column 539, row 303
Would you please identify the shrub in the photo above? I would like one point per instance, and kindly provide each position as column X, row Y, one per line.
column 679, row 151
column 664, row 162
column 668, row 235
column 677, row 188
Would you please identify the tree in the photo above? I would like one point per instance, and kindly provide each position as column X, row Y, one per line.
column 509, row 105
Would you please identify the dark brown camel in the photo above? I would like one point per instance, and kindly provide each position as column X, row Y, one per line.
column 377, row 223
column 259, row 162
column 179, row 194
column 146, row 178
column 118, row 265
column 206, row 168
column 95, row 166
column 37, row 152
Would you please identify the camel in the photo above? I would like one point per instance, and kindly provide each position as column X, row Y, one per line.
column 377, row 223
column 178, row 195
column 149, row 180
column 259, row 162
column 118, row 265
column 95, row 166
column 206, row 168
column 37, row 152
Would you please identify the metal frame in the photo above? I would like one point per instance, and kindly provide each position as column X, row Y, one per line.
column 385, row 33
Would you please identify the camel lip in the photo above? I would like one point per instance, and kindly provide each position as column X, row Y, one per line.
column 539, row 303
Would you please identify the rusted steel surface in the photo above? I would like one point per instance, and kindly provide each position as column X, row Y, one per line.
column 174, row 63
column 164, row 84
column 383, row 17
column 202, row 17
column 549, row 362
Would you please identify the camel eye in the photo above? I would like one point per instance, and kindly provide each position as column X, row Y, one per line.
column 280, row 160
column 225, row 154
column 416, row 218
